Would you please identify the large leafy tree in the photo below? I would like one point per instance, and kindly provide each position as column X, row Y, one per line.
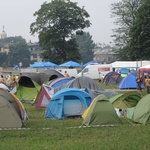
column 140, row 33
column 86, row 46
column 18, row 52
column 124, row 13
column 55, row 23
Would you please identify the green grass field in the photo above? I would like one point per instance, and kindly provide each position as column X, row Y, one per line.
column 39, row 133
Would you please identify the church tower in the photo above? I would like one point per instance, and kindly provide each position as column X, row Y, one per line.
column 3, row 34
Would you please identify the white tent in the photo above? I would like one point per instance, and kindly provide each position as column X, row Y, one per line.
column 129, row 64
column 147, row 66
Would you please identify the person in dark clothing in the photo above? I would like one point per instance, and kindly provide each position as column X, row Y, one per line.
column 139, row 83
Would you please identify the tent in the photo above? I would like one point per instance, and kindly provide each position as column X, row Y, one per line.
column 43, row 64
column 100, row 112
column 129, row 112
column 88, row 84
column 3, row 86
column 133, row 72
column 58, row 82
column 28, row 87
column 68, row 102
column 29, row 84
column 82, row 82
column 8, row 115
column 141, row 112
column 70, row 64
column 50, row 64
column 52, row 74
column 93, row 62
column 37, row 65
column 145, row 69
column 129, row 82
column 46, row 92
column 53, row 86
column 125, row 100
column 124, row 71
column 112, row 78
column 12, row 111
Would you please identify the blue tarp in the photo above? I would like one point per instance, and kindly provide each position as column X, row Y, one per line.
column 70, row 64
column 68, row 102
column 91, row 62
column 124, row 71
column 43, row 64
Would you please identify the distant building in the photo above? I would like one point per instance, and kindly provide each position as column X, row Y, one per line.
column 4, row 49
column 104, row 55
column 34, row 48
column 36, row 51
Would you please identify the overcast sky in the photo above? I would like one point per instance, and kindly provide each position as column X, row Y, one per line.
column 17, row 15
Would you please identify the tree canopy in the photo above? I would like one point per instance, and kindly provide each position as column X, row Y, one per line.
column 86, row 46
column 18, row 52
column 124, row 13
column 55, row 23
column 140, row 33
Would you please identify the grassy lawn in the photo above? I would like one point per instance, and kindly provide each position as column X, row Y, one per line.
column 39, row 133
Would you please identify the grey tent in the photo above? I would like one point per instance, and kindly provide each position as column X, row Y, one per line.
column 9, row 117
column 90, row 86
column 112, row 78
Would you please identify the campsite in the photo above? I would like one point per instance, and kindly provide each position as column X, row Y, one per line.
column 50, row 111
column 40, row 133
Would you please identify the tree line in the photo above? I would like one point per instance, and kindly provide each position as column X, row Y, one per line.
column 132, row 34
column 60, row 27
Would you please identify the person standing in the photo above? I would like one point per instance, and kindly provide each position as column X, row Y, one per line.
column 147, row 84
column 66, row 74
column 139, row 83
column 2, row 79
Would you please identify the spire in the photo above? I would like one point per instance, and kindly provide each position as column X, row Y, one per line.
column 3, row 29
column 3, row 35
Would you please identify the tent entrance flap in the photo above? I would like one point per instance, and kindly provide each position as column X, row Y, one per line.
column 73, row 106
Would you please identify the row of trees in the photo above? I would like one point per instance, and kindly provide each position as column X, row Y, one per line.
column 132, row 35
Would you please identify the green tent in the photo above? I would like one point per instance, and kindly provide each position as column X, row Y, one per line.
column 142, row 110
column 129, row 112
column 126, row 100
column 29, row 85
column 101, row 112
